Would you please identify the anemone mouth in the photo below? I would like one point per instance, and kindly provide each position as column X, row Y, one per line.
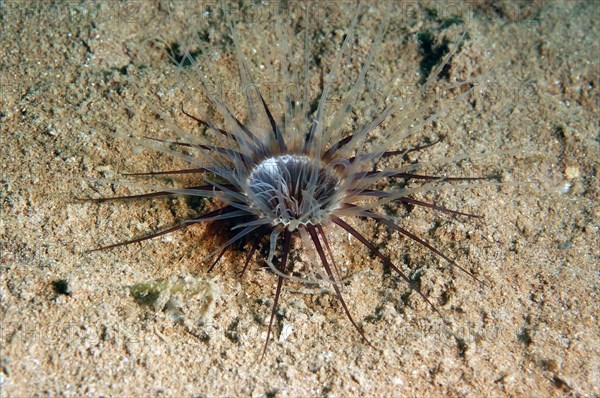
column 293, row 190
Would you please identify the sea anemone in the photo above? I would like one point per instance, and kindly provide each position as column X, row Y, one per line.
column 307, row 168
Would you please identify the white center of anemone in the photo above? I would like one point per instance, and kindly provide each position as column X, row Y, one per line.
column 293, row 190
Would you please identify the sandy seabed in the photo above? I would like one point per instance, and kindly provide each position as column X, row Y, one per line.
column 72, row 74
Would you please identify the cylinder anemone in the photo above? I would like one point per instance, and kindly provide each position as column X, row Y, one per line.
column 299, row 173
